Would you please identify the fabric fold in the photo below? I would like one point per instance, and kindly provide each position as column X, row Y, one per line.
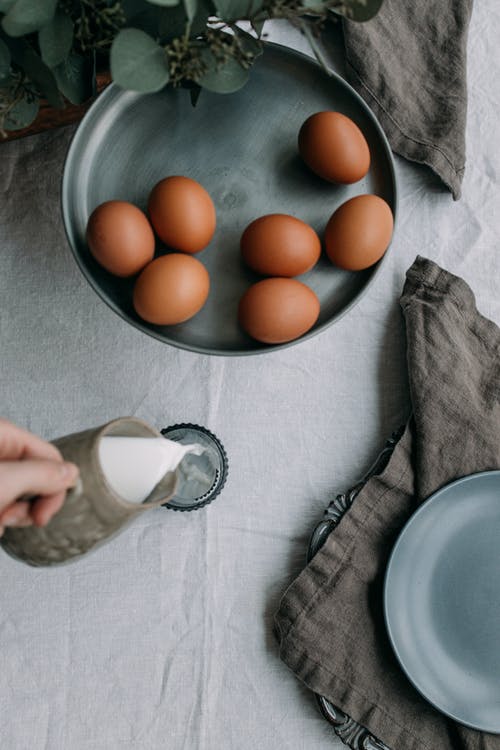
column 330, row 621
column 410, row 64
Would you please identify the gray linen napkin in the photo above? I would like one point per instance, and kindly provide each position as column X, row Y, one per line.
column 330, row 622
column 409, row 63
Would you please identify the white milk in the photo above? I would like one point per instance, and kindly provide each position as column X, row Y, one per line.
column 133, row 466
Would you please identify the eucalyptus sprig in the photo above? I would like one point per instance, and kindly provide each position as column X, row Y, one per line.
column 51, row 49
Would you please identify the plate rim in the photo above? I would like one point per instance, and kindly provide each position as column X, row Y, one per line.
column 431, row 500
column 260, row 349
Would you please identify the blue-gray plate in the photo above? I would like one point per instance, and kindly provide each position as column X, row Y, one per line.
column 442, row 600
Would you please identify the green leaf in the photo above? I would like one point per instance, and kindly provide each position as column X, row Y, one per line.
column 233, row 10
column 205, row 8
column 249, row 43
column 26, row 16
column 74, row 78
column 173, row 23
column 191, row 7
column 6, row 5
column 132, row 7
column 138, row 62
column 164, row 3
column 55, row 39
column 222, row 79
column 22, row 114
column 357, row 10
column 27, row 59
column 258, row 25
column 161, row 23
column 4, row 60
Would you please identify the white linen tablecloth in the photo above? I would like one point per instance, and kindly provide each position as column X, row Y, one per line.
column 163, row 638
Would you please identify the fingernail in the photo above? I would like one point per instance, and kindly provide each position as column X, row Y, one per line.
column 69, row 471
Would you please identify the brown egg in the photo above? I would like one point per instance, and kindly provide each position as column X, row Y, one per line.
column 277, row 310
column 359, row 232
column 334, row 147
column 280, row 245
column 171, row 289
column 120, row 238
column 182, row 213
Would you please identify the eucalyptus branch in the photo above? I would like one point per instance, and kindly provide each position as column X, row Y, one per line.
column 146, row 43
column 19, row 89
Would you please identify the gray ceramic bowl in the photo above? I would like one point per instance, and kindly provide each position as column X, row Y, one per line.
column 243, row 149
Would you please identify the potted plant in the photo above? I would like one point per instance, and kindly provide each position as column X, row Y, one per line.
column 55, row 52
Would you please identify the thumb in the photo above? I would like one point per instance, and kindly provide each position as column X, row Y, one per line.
column 34, row 477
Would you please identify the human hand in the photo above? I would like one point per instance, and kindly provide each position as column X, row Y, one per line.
column 30, row 467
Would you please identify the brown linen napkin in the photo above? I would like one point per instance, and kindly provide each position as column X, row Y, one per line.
column 409, row 63
column 330, row 622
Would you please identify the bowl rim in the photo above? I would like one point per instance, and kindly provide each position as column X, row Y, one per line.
column 260, row 349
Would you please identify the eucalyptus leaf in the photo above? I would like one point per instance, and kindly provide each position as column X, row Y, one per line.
column 173, row 23
column 164, row 3
column 191, row 7
column 357, row 10
column 6, row 5
column 233, row 10
column 258, row 25
column 161, row 23
column 55, row 39
column 26, row 16
column 205, row 9
column 22, row 114
column 148, row 18
column 4, row 60
column 223, row 79
column 74, row 78
column 138, row 62
column 132, row 8
column 250, row 44
column 32, row 64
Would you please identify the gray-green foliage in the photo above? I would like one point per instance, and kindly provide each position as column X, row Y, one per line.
column 225, row 78
column 232, row 9
column 4, row 61
column 164, row 3
column 22, row 113
column 359, row 10
column 75, row 78
column 25, row 16
column 50, row 49
column 55, row 39
column 138, row 62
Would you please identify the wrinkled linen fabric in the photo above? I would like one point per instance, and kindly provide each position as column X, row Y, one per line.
column 330, row 623
column 410, row 64
column 163, row 638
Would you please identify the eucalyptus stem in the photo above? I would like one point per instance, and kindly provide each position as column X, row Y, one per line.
column 146, row 44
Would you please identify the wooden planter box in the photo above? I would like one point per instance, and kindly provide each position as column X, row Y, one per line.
column 49, row 118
